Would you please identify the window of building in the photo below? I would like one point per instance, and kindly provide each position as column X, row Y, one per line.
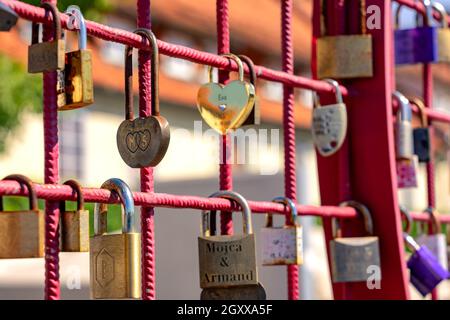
column 71, row 145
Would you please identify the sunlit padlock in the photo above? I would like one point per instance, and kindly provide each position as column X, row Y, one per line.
column 74, row 227
column 435, row 240
column 345, row 56
column 227, row 263
column 352, row 258
column 421, row 136
column 78, row 82
column 254, row 118
column 417, row 45
column 22, row 232
column 443, row 34
column 115, row 259
column 329, row 123
column 282, row 245
column 50, row 55
column 8, row 17
column 403, row 133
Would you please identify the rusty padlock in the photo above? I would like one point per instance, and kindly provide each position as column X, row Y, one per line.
column 254, row 118
column 22, row 232
column 143, row 142
column 74, row 228
column 50, row 55
column 282, row 245
column 421, row 136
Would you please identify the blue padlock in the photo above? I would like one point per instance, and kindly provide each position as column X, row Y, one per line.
column 417, row 45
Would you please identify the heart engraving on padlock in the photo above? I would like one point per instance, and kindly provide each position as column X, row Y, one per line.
column 225, row 107
column 138, row 140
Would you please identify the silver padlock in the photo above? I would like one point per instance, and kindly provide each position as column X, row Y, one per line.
column 404, row 136
column 329, row 123
column 282, row 245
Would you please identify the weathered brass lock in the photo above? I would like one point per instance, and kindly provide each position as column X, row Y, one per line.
column 443, row 34
column 421, row 136
column 143, row 142
column 282, row 245
column 254, row 118
column 47, row 56
column 74, row 227
column 78, row 82
column 344, row 56
column 22, row 232
column 116, row 258
column 352, row 257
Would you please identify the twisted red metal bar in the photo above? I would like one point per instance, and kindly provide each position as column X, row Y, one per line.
column 147, row 213
column 225, row 167
column 290, row 181
column 104, row 32
column 51, row 175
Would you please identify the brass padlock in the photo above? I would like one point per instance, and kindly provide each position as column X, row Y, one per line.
column 74, row 228
column 254, row 118
column 250, row 292
column 50, row 55
column 22, row 232
column 344, row 56
column 78, row 82
column 116, row 258
column 352, row 257
column 282, row 245
column 443, row 34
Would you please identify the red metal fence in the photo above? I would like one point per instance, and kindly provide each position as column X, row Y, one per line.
column 350, row 174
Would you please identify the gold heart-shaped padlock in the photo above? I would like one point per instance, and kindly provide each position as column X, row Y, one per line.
column 225, row 107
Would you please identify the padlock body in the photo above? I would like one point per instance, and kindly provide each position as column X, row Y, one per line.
column 75, row 231
column 22, row 234
column 344, row 57
column 437, row 244
column 46, row 56
column 115, row 265
column 422, row 144
column 407, row 173
column 227, row 261
column 404, row 136
column 418, row 45
column 329, row 128
column 444, row 44
column 79, row 85
column 282, row 246
column 352, row 257
column 249, row 292
column 425, row 271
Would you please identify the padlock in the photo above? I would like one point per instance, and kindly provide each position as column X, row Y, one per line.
column 345, row 56
column 22, row 232
column 50, row 55
column 417, row 45
column 254, row 118
column 74, row 227
column 226, row 107
column 282, row 245
column 407, row 172
column 78, row 83
column 425, row 270
column 421, row 136
column 352, row 257
column 8, row 17
column 115, row 259
column 227, row 263
column 435, row 240
column 143, row 142
column 329, row 123
column 443, row 34
column 404, row 137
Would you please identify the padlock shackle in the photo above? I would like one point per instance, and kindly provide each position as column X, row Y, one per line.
column 123, row 191
column 251, row 68
column 428, row 15
column 33, row 200
column 76, row 187
column 362, row 210
column 232, row 57
column 230, row 195
column 410, row 242
column 337, row 91
column 75, row 14
column 404, row 112
column 437, row 227
column 363, row 15
column 292, row 209
column 154, row 74
column 405, row 213
column 421, row 106
column 439, row 7
column 53, row 10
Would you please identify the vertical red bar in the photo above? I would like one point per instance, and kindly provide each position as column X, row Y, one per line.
column 290, row 181
column 226, row 174
column 51, row 175
column 147, row 213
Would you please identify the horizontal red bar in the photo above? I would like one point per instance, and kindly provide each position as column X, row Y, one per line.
column 104, row 32
column 424, row 217
column 432, row 114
